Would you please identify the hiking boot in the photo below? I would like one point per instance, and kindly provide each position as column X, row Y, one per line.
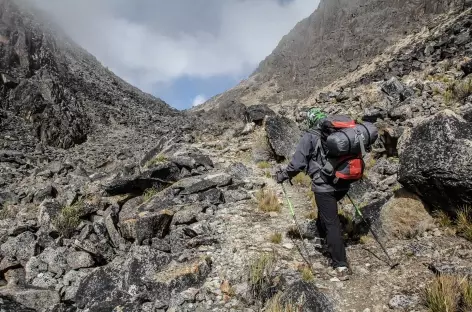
column 341, row 273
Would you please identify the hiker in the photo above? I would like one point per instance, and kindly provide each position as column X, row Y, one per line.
column 331, row 176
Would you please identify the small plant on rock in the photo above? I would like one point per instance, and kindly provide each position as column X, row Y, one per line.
column 464, row 223
column 276, row 238
column 275, row 304
column 261, row 272
column 149, row 193
column 68, row 219
column 448, row 293
column 7, row 211
column 263, row 165
column 159, row 159
column 442, row 218
column 267, row 201
column 307, row 275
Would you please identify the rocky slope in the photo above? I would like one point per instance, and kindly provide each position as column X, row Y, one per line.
column 104, row 210
column 339, row 38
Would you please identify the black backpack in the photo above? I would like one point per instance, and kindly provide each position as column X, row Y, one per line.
column 343, row 144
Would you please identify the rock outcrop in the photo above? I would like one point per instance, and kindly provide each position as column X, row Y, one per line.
column 435, row 162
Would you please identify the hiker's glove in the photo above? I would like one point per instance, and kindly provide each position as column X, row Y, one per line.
column 281, row 176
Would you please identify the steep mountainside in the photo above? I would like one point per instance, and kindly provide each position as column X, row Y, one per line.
column 60, row 92
column 112, row 201
column 337, row 39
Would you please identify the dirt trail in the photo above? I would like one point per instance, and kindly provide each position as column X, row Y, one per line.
column 246, row 232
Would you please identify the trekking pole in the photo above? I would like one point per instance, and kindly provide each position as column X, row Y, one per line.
column 298, row 227
column 373, row 234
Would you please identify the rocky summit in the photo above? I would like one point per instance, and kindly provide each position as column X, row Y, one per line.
column 110, row 200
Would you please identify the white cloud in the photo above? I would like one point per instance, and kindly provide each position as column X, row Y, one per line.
column 198, row 100
column 151, row 42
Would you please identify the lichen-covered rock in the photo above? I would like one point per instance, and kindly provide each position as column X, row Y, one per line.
column 283, row 135
column 79, row 259
column 435, row 161
column 146, row 226
column 36, row 299
column 306, row 297
column 21, row 247
column 257, row 113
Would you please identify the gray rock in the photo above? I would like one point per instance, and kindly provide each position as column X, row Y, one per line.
column 308, row 297
column 435, row 161
column 187, row 215
column 239, row 171
column 80, row 259
column 283, row 135
column 9, row 305
column 212, row 196
column 257, row 113
column 48, row 211
column 147, row 226
column 401, row 113
column 466, row 67
column 403, row 302
column 21, row 247
column 232, row 196
column 33, row 268
column 36, row 299
column 55, row 259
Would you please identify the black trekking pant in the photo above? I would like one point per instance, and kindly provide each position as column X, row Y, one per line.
column 329, row 225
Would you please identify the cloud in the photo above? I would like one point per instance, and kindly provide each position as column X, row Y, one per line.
column 151, row 43
column 198, row 100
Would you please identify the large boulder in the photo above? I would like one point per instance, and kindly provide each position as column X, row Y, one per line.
column 283, row 135
column 435, row 161
column 257, row 113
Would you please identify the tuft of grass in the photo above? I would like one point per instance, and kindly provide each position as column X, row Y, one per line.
column 442, row 218
column 364, row 239
column 159, row 159
column 267, row 201
column 149, row 193
column 370, row 163
column 7, row 211
column 464, row 223
column 302, row 179
column 276, row 238
column 275, row 304
column 307, row 275
column 260, row 272
column 263, row 165
column 466, row 291
column 311, row 197
column 267, row 174
column 68, row 219
column 444, row 294
column 311, row 215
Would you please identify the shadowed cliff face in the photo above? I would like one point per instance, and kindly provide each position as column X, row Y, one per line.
column 56, row 91
column 339, row 37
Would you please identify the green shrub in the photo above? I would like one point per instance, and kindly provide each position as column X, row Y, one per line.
column 68, row 219
column 159, row 159
column 149, row 193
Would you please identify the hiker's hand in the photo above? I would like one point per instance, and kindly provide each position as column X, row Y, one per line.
column 281, row 176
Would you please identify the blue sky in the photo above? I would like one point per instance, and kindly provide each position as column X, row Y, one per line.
column 183, row 51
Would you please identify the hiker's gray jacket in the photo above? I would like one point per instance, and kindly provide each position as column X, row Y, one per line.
column 302, row 161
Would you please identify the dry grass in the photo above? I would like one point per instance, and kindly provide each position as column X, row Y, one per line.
column 448, row 293
column 302, row 179
column 311, row 198
column 149, row 193
column 405, row 216
column 276, row 238
column 311, row 215
column 464, row 223
column 307, row 275
column 68, row 220
column 159, row 159
column 8, row 211
column 267, row 201
column 263, row 165
column 260, row 273
column 442, row 219
column 276, row 305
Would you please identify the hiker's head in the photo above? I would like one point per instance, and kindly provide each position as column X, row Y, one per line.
column 314, row 116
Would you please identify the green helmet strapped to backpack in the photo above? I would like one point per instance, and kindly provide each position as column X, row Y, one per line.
column 314, row 115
